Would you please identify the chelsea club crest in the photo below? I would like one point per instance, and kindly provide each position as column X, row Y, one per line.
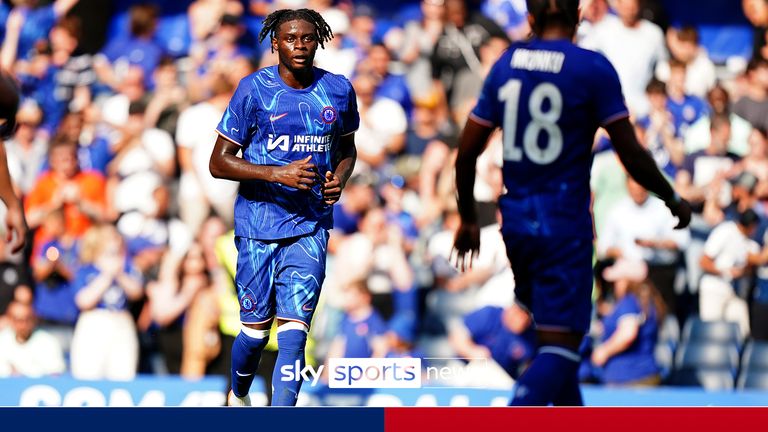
column 247, row 304
column 328, row 114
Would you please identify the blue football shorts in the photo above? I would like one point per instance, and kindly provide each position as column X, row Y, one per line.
column 280, row 278
column 553, row 279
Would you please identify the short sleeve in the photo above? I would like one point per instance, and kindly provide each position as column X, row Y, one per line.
column 83, row 276
column 350, row 117
column 159, row 144
column 377, row 326
column 488, row 110
column 45, row 18
column 238, row 120
column 111, row 52
column 609, row 100
column 627, row 306
column 716, row 241
column 480, row 322
column 185, row 128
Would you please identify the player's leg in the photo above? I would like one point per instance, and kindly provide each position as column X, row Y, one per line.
column 291, row 340
column 255, row 290
column 298, row 278
column 553, row 279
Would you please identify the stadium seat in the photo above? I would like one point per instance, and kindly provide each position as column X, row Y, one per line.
column 753, row 379
column 709, row 379
column 723, row 332
column 709, row 355
column 669, row 333
column 665, row 358
column 755, row 357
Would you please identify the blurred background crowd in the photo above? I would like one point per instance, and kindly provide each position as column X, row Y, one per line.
column 130, row 264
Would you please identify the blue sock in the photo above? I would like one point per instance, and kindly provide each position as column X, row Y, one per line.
column 552, row 376
column 290, row 351
column 246, row 353
column 570, row 393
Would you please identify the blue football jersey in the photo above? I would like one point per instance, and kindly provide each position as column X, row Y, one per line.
column 276, row 125
column 549, row 96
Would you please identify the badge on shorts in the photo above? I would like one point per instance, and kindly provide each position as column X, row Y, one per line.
column 328, row 115
column 247, row 303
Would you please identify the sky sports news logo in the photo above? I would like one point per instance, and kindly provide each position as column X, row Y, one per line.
column 383, row 373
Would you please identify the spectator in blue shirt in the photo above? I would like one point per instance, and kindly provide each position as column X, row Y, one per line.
column 105, row 344
column 140, row 49
column 392, row 86
column 53, row 267
column 659, row 131
column 630, row 330
column 34, row 22
column 686, row 109
column 502, row 334
column 360, row 326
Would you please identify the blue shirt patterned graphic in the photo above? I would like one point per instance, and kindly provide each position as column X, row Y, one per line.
column 276, row 125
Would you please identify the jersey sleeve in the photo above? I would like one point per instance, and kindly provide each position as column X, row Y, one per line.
column 488, row 110
column 239, row 118
column 350, row 117
column 609, row 100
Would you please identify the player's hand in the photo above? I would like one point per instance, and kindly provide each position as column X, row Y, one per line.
column 15, row 227
column 331, row 188
column 682, row 210
column 298, row 174
column 466, row 245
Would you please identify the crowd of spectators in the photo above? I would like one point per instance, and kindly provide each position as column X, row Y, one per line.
column 130, row 265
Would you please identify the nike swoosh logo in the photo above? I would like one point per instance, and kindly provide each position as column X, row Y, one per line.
column 277, row 117
column 242, row 374
column 305, row 309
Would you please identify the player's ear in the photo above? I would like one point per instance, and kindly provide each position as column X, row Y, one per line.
column 274, row 43
column 532, row 23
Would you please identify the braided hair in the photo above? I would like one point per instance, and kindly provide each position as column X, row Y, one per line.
column 273, row 21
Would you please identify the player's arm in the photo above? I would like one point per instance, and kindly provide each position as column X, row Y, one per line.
column 336, row 180
column 472, row 143
column 15, row 224
column 641, row 166
column 225, row 164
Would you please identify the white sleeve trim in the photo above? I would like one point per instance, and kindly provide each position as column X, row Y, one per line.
column 221, row 134
column 482, row 121
column 613, row 118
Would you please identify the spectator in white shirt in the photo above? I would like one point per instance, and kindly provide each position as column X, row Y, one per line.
column 700, row 71
column 24, row 349
column 640, row 228
column 634, row 46
column 199, row 192
column 727, row 256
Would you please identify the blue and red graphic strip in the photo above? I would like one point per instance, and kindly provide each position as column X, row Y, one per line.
column 384, row 419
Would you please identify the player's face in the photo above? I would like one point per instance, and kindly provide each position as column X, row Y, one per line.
column 296, row 44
